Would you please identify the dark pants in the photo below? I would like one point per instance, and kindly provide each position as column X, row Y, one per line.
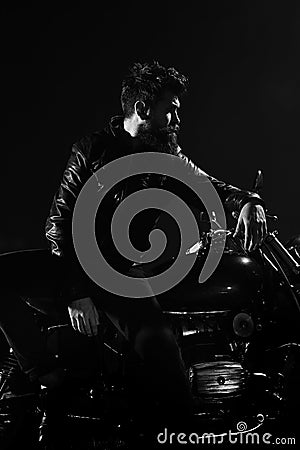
column 37, row 275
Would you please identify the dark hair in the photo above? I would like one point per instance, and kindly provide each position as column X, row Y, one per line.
column 146, row 82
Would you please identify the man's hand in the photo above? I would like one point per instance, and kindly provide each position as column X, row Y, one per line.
column 252, row 225
column 84, row 316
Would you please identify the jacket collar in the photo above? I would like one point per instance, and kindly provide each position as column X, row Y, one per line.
column 116, row 127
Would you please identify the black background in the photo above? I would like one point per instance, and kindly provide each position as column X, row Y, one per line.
column 61, row 74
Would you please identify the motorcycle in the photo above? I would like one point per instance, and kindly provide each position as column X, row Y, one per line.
column 239, row 338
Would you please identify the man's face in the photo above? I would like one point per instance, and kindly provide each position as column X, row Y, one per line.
column 165, row 112
column 160, row 131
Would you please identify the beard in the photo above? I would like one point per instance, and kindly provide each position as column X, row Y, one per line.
column 163, row 140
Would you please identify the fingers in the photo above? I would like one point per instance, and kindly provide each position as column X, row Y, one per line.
column 255, row 232
column 85, row 321
column 238, row 229
column 265, row 229
column 247, row 237
column 252, row 225
column 74, row 323
column 254, row 235
column 94, row 322
column 257, row 239
column 79, row 324
column 85, row 325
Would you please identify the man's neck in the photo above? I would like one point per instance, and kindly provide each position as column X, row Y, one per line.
column 131, row 126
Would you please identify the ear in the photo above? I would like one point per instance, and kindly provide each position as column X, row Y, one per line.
column 142, row 110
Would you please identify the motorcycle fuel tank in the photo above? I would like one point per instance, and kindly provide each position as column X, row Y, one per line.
column 235, row 284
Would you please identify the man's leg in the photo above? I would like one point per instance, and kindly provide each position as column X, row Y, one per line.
column 37, row 273
column 25, row 274
column 142, row 322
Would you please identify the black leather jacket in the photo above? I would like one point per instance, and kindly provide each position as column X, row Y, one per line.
column 87, row 156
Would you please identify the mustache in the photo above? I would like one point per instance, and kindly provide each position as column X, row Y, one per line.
column 170, row 129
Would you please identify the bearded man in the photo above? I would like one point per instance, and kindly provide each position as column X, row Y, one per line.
column 150, row 100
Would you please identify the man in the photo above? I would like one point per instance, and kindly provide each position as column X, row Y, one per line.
column 150, row 101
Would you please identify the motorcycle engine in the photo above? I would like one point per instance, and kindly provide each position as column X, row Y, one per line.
column 215, row 321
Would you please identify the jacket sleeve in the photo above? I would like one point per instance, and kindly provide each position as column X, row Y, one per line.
column 58, row 226
column 232, row 198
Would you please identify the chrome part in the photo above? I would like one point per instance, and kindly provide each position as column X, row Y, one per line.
column 243, row 325
column 216, row 381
